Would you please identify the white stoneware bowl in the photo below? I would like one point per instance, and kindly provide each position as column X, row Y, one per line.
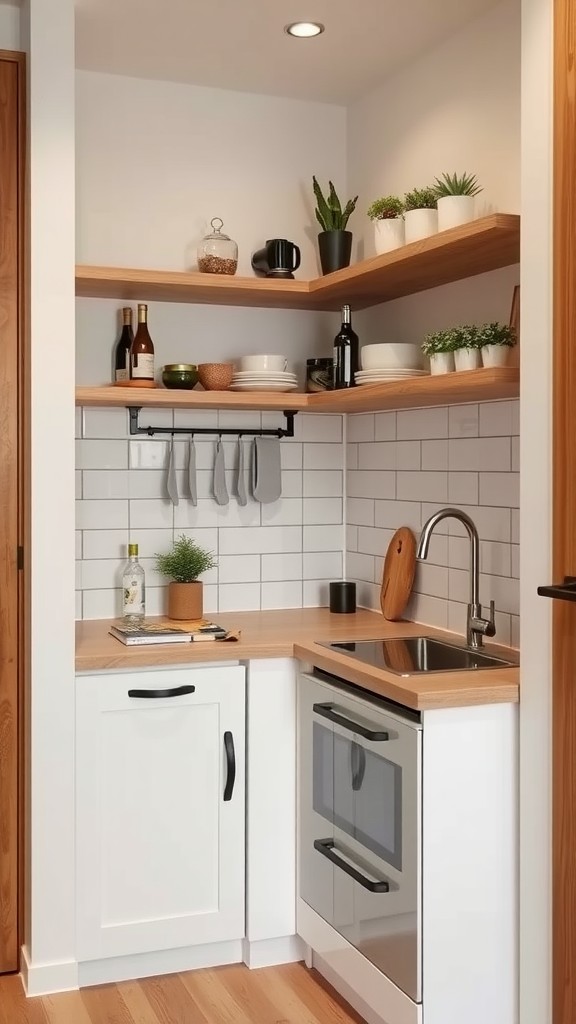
column 390, row 356
column 274, row 364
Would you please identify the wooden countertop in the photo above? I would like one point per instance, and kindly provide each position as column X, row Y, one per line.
column 291, row 633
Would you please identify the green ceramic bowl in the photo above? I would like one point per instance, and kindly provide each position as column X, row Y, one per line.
column 179, row 375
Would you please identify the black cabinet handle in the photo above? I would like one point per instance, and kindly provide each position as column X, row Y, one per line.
column 357, row 766
column 327, row 711
column 175, row 691
column 326, row 848
column 231, row 764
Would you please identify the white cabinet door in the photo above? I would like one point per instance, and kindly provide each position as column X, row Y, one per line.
column 160, row 810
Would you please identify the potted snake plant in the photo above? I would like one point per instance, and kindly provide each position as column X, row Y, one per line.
column 334, row 241
column 183, row 565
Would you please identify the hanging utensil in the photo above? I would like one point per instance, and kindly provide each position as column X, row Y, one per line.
column 240, row 480
column 219, row 485
column 192, row 484
column 171, row 483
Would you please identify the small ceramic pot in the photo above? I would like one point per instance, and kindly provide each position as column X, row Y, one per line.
column 420, row 224
column 335, row 249
column 441, row 362
column 185, row 601
column 453, row 211
column 215, row 376
column 495, row 355
column 467, row 358
column 388, row 234
column 179, row 375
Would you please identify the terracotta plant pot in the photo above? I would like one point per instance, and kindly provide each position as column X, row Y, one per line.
column 185, row 600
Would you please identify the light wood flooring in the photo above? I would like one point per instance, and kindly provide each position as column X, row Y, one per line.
column 289, row 994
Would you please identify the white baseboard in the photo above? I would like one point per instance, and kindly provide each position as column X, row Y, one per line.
column 288, row 949
column 44, row 979
column 166, row 961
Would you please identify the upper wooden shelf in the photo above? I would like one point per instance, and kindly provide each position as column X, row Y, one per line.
column 445, row 389
column 482, row 245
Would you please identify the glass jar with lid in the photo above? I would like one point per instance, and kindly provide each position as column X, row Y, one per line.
column 217, row 252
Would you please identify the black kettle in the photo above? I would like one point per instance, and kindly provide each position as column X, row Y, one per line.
column 278, row 258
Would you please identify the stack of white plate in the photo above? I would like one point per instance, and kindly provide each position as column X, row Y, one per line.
column 386, row 376
column 264, row 380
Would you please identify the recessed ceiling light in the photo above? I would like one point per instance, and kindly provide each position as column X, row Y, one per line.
column 304, row 29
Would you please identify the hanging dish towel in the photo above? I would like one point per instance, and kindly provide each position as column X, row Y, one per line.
column 192, row 473
column 220, row 489
column 266, row 469
column 171, row 485
column 240, row 481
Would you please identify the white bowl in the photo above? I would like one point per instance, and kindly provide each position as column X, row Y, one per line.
column 389, row 356
column 263, row 362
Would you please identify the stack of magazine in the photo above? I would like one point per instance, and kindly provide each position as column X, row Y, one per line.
column 158, row 633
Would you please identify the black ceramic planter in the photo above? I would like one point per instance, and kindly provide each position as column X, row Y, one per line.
column 335, row 249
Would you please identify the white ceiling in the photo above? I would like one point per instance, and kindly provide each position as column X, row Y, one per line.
column 240, row 44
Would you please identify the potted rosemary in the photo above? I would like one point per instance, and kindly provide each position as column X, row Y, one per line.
column 183, row 565
column 387, row 214
column 456, row 194
column 495, row 341
column 439, row 347
column 334, row 241
column 420, row 214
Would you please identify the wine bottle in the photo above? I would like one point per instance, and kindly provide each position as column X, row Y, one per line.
column 345, row 353
column 133, row 588
column 123, row 345
column 142, row 348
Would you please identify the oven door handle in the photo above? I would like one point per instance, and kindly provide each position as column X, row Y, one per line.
column 327, row 711
column 326, row 848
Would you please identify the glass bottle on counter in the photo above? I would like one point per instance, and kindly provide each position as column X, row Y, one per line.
column 133, row 588
column 142, row 349
column 123, row 346
column 346, row 353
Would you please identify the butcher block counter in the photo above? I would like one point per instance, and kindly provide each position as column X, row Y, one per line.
column 289, row 633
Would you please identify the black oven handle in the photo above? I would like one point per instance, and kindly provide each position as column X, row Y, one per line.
column 327, row 711
column 326, row 848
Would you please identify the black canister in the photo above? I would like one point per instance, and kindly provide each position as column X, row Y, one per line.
column 343, row 597
column 319, row 374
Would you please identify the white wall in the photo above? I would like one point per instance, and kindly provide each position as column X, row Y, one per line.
column 457, row 109
column 157, row 160
column 9, row 27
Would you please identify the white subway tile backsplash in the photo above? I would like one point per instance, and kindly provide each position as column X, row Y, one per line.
column 291, row 455
column 151, row 514
column 491, row 523
column 421, row 424
column 438, row 550
column 373, row 541
column 78, row 604
column 78, row 543
column 321, row 510
column 459, row 552
column 504, row 591
column 102, row 574
column 352, row 456
column 500, row 489
column 149, row 483
column 322, row 538
column 315, row 594
column 106, row 543
column 105, row 483
column 238, row 597
column 238, row 569
column 368, row 595
column 321, row 483
column 102, row 604
column 515, row 560
column 365, row 483
column 102, row 455
column 480, row 453
column 360, row 566
column 259, row 540
column 78, row 484
column 276, row 568
column 496, row 419
column 516, row 417
column 284, row 512
column 208, row 514
column 292, row 483
column 463, row 421
column 321, row 428
column 148, row 454
column 322, row 456
column 457, row 617
column 105, row 422
column 101, row 515
column 385, row 426
column 319, row 565
column 361, row 427
column 351, row 538
column 204, row 419
column 495, row 558
column 431, row 611
column 415, row 486
column 285, row 594
column 360, row 511
column 434, row 455
column 381, row 455
column 431, row 579
column 515, row 454
column 515, row 525
column 463, row 488
column 393, row 514
column 459, row 585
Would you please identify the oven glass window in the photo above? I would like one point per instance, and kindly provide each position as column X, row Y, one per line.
column 360, row 792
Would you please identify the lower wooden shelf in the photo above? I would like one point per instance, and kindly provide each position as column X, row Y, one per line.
column 445, row 389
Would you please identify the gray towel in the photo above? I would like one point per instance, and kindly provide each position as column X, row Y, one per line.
column 192, row 473
column 220, row 489
column 240, row 481
column 266, row 469
column 171, row 485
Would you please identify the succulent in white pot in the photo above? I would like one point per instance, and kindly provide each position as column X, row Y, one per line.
column 387, row 215
column 420, row 214
column 439, row 347
column 495, row 341
column 455, row 194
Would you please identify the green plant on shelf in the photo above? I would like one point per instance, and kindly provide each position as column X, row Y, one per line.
column 329, row 212
column 496, row 334
column 463, row 336
column 386, row 208
column 186, row 561
column 420, row 199
column 456, row 185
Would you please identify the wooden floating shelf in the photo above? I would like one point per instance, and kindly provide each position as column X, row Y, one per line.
column 445, row 389
column 476, row 248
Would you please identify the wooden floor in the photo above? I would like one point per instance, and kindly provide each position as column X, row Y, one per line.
column 289, row 994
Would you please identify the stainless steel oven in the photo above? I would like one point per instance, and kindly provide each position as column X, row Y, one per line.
column 360, row 822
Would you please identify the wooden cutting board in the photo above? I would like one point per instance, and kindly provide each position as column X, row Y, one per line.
column 398, row 575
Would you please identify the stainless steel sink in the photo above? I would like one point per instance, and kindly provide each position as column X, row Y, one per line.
column 414, row 655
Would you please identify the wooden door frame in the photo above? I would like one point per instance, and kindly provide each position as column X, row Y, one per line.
column 13, row 377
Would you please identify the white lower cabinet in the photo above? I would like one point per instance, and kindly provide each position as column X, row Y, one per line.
column 160, row 810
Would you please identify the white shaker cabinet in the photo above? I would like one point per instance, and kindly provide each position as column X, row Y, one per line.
column 160, row 806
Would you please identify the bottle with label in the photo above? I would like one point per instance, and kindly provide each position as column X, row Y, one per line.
column 123, row 346
column 142, row 349
column 345, row 353
column 133, row 588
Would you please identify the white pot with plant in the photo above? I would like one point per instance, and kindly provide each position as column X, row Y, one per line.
column 183, row 565
column 495, row 342
column 388, row 223
column 456, row 194
column 466, row 347
column 439, row 347
column 420, row 214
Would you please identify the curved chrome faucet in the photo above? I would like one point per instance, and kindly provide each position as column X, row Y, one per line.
column 476, row 626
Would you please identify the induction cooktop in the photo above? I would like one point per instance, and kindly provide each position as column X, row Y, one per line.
column 413, row 655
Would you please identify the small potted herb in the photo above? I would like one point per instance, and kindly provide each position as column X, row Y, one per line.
column 334, row 241
column 439, row 347
column 466, row 347
column 420, row 214
column 387, row 214
column 183, row 565
column 495, row 341
column 456, row 199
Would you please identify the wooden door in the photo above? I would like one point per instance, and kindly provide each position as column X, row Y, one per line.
column 11, row 483
column 159, row 816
